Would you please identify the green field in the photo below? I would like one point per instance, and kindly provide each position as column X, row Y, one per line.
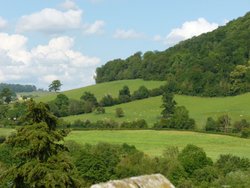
column 154, row 142
column 102, row 89
column 237, row 107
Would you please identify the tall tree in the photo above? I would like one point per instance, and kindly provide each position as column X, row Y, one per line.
column 43, row 157
column 55, row 85
column 168, row 105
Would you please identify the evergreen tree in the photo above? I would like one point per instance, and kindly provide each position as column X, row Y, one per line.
column 168, row 105
column 43, row 160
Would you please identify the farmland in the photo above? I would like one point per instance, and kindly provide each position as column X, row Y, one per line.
column 200, row 108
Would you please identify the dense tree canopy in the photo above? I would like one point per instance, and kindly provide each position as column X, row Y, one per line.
column 42, row 158
column 212, row 64
column 18, row 88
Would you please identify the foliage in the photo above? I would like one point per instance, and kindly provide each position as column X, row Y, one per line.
column 97, row 163
column 100, row 110
column 245, row 133
column 168, row 105
column 137, row 124
column 229, row 163
column 119, row 112
column 141, row 93
column 212, row 64
column 211, row 125
column 193, row 158
column 55, row 85
column 43, row 159
column 18, row 88
column 107, row 100
column 124, row 95
column 6, row 95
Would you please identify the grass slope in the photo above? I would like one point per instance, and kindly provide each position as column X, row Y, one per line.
column 154, row 142
column 200, row 108
column 104, row 88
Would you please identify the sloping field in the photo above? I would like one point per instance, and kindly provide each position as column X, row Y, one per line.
column 154, row 142
column 237, row 107
column 102, row 89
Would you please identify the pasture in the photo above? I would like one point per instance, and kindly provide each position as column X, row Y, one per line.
column 153, row 142
column 99, row 90
column 200, row 108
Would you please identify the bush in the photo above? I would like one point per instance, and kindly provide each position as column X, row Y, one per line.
column 193, row 158
column 2, row 139
column 100, row 110
column 141, row 93
column 211, row 124
column 137, row 124
column 108, row 100
column 238, row 126
column 229, row 163
column 119, row 112
column 245, row 133
column 179, row 120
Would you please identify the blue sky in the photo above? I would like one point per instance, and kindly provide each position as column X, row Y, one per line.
column 44, row 40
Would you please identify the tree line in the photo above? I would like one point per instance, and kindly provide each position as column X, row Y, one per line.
column 213, row 64
column 18, row 87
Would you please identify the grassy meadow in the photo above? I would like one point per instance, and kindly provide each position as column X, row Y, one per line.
column 102, row 89
column 154, row 142
column 237, row 107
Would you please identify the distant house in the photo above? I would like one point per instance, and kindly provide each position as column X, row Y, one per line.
column 147, row 181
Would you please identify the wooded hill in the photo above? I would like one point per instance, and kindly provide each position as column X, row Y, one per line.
column 212, row 64
column 18, row 87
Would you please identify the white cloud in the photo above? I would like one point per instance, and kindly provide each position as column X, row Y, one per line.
column 50, row 21
column 44, row 63
column 3, row 23
column 127, row 34
column 69, row 5
column 187, row 30
column 95, row 28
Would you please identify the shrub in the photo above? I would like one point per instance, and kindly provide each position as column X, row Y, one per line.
column 119, row 112
column 137, row 124
column 100, row 110
column 245, row 133
column 2, row 139
column 141, row 93
column 238, row 126
column 211, row 124
column 108, row 100
column 229, row 163
column 193, row 158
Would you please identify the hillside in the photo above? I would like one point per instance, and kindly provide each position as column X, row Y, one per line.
column 200, row 108
column 99, row 90
column 154, row 142
column 212, row 64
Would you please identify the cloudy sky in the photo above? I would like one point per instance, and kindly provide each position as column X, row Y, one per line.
column 44, row 40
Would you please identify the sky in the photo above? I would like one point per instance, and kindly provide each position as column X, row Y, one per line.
column 45, row 40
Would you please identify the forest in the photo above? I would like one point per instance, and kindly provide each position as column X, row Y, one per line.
column 212, row 64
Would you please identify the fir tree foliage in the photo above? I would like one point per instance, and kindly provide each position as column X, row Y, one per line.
column 43, row 158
